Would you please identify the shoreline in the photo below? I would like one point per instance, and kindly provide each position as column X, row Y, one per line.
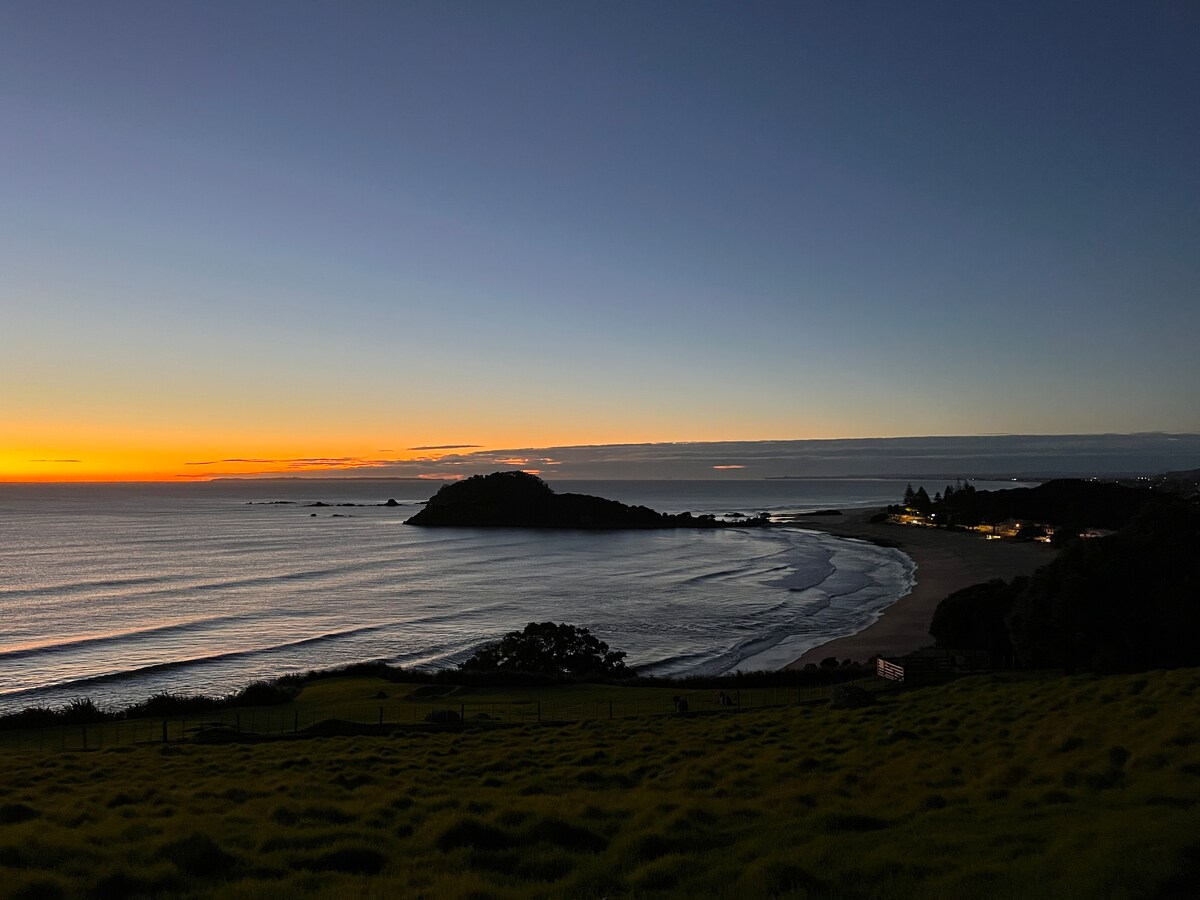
column 946, row 561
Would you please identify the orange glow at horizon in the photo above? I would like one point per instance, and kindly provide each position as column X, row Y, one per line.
column 59, row 451
column 125, row 463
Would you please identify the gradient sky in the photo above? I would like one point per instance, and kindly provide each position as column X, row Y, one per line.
column 268, row 230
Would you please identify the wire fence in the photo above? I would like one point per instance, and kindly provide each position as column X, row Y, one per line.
column 383, row 716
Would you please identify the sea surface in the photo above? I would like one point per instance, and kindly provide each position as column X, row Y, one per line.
column 116, row 592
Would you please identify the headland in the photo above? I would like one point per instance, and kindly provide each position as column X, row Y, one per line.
column 521, row 500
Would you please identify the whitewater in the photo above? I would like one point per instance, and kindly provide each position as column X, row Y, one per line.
column 115, row 592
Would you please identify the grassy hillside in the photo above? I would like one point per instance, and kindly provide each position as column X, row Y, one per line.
column 987, row 788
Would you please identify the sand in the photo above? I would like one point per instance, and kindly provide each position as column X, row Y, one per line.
column 946, row 561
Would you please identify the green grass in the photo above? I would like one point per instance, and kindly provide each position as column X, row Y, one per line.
column 991, row 787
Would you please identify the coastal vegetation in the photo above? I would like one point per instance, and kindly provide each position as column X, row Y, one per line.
column 1018, row 785
column 548, row 648
column 1066, row 502
column 1125, row 602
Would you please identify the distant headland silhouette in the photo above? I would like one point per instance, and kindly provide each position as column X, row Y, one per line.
column 521, row 500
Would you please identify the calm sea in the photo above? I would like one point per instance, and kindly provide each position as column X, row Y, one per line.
column 119, row 591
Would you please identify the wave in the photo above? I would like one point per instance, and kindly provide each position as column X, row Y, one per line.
column 178, row 586
column 170, row 665
column 200, row 599
column 118, row 637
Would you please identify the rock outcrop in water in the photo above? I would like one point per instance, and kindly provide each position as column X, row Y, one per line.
column 521, row 500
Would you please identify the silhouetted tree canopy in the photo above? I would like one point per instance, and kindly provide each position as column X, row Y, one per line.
column 1093, row 504
column 1127, row 602
column 546, row 648
column 974, row 617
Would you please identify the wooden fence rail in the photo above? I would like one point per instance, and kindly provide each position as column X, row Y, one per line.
column 399, row 713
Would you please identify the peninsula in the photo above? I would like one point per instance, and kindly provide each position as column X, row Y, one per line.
column 521, row 500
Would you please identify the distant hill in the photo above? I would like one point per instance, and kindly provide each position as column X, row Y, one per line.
column 1092, row 504
column 521, row 500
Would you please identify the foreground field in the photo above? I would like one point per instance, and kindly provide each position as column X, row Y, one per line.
column 986, row 788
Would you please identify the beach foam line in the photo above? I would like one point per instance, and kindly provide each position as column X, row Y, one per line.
column 177, row 585
column 124, row 674
column 117, row 637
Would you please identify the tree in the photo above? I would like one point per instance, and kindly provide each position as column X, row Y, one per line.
column 1121, row 603
column 974, row 618
column 909, row 496
column 921, row 501
column 546, row 648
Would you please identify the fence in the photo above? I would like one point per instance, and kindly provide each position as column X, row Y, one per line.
column 295, row 719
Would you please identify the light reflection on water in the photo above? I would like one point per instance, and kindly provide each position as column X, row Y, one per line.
column 195, row 588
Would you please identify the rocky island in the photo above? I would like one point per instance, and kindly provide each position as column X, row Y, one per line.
column 521, row 500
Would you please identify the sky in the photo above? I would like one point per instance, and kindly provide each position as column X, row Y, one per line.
column 255, row 237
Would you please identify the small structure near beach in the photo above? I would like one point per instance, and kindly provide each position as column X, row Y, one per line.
column 931, row 664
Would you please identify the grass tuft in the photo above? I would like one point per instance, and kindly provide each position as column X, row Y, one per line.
column 476, row 835
column 15, row 813
column 854, row 822
column 199, row 856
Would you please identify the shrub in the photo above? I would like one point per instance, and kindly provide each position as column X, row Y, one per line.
column 549, row 649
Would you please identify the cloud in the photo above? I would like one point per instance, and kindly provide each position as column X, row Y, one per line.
column 446, row 447
column 56, row 460
column 214, row 462
column 946, row 456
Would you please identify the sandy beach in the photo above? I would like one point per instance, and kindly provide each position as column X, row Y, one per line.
column 946, row 562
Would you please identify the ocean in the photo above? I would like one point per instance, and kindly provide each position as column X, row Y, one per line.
column 116, row 592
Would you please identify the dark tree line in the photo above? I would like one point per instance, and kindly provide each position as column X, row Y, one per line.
column 1127, row 602
column 1069, row 503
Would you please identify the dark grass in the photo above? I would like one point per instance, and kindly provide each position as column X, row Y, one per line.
column 992, row 787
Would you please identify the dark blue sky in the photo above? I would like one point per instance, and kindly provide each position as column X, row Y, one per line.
column 520, row 224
